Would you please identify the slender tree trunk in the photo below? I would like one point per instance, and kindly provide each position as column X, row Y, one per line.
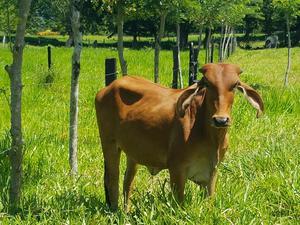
column 184, row 34
column 227, row 42
column 157, row 45
column 179, row 63
column 70, row 41
column 208, row 47
column 232, row 42
column 221, row 42
column 120, row 23
column 288, row 68
column 73, row 134
column 230, row 46
column 199, row 41
column 15, row 75
column 224, row 41
column 134, row 41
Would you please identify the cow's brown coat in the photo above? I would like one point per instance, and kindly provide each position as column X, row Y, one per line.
column 184, row 131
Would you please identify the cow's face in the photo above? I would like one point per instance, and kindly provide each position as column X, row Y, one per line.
column 220, row 81
column 217, row 88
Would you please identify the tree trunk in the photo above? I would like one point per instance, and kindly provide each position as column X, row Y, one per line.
column 267, row 10
column 230, row 51
column 199, row 41
column 120, row 23
column 208, row 45
column 3, row 41
column 179, row 63
column 184, row 34
column 15, row 75
column 73, row 134
column 70, row 41
column 212, row 46
column 227, row 42
column 221, row 43
column 134, row 41
column 288, row 68
column 157, row 45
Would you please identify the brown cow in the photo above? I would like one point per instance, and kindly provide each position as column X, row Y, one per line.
column 184, row 131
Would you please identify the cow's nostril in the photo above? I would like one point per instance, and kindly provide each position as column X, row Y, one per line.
column 221, row 121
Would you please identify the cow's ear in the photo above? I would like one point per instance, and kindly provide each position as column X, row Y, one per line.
column 186, row 98
column 253, row 97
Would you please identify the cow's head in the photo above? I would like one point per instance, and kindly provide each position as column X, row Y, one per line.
column 216, row 89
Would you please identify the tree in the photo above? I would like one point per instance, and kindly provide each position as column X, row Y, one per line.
column 181, row 15
column 120, row 24
column 290, row 9
column 73, row 133
column 120, row 8
column 15, row 74
column 50, row 15
column 268, row 10
column 160, row 8
column 230, row 16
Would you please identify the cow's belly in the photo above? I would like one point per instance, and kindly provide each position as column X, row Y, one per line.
column 199, row 171
column 144, row 151
column 144, row 142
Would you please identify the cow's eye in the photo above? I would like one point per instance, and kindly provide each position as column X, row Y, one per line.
column 205, row 83
column 235, row 86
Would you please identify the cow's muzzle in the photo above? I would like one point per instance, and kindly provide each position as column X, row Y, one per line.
column 221, row 122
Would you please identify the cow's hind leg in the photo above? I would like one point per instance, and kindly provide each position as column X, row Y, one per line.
column 111, row 173
column 128, row 178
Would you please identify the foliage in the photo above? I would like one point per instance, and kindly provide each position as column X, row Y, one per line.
column 8, row 15
column 289, row 8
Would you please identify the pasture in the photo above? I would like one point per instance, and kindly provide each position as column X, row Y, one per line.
column 258, row 181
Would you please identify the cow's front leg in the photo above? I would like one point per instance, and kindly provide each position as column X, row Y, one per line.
column 211, row 187
column 177, row 180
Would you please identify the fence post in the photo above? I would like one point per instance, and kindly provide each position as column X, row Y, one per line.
column 49, row 58
column 196, row 55
column 175, row 68
column 191, row 64
column 110, row 70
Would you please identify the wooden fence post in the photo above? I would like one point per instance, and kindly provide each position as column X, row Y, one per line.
column 110, row 70
column 175, row 68
column 196, row 54
column 49, row 58
column 191, row 64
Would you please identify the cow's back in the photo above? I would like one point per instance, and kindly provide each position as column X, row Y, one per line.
column 138, row 115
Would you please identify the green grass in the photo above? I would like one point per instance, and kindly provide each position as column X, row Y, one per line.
column 258, row 181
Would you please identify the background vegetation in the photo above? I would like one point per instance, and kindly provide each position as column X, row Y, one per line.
column 258, row 182
column 259, row 179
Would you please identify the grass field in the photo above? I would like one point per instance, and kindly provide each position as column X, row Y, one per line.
column 258, row 182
